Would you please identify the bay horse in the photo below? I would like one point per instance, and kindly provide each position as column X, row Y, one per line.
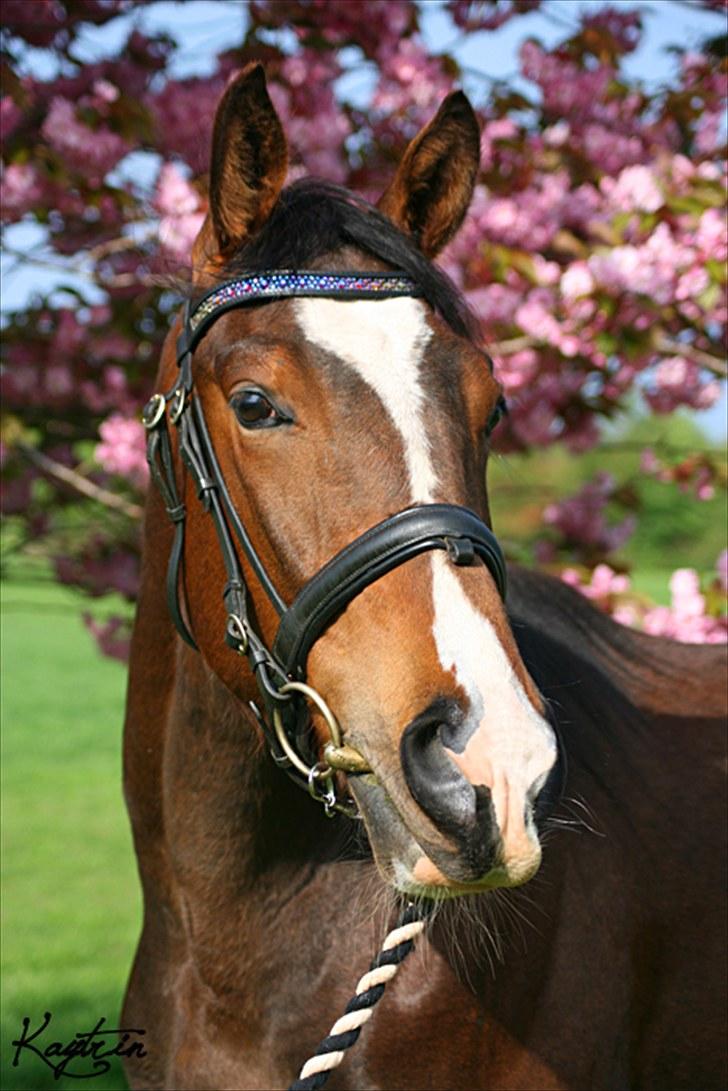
column 320, row 447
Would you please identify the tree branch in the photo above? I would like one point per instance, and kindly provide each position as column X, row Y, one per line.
column 662, row 343
column 704, row 359
column 515, row 344
column 78, row 482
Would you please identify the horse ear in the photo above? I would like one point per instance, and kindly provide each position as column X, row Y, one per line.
column 247, row 171
column 433, row 186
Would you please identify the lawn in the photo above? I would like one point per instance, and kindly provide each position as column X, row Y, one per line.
column 71, row 904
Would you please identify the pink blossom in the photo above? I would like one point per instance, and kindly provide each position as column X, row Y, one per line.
column 376, row 26
column 604, row 583
column 500, row 129
column 90, row 152
column 10, row 117
column 113, row 636
column 494, row 303
column 174, row 196
column 692, row 283
column 651, row 269
column 317, row 129
column 182, row 213
column 123, row 448
column 58, row 381
column 685, row 619
column 576, row 281
column 105, row 90
column 68, row 336
column 182, row 112
column 582, row 435
column 709, row 135
column 676, row 382
column 21, row 190
column 610, row 151
column 568, row 90
column 546, row 272
column 721, row 567
column 535, row 318
column 581, row 518
column 711, row 237
column 634, row 189
column 555, row 136
column 411, row 79
column 649, row 462
column 178, row 233
column 517, row 370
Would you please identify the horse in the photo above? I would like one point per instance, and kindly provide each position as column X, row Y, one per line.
column 323, row 605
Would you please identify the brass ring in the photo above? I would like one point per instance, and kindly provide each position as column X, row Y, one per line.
column 331, row 722
column 153, row 411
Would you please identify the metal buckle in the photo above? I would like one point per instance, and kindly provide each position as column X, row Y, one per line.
column 178, row 405
column 153, row 411
column 321, row 772
column 237, row 630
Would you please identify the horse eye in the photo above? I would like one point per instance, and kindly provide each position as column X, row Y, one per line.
column 496, row 416
column 254, row 410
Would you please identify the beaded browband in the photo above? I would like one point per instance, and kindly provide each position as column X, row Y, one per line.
column 285, row 284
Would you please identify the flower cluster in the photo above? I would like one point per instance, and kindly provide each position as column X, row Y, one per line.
column 698, row 474
column 694, row 616
column 581, row 520
column 123, row 448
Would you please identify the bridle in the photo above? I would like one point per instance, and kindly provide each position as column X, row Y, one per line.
column 280, row 670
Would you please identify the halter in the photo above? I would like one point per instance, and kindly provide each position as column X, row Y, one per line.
column 280, row 671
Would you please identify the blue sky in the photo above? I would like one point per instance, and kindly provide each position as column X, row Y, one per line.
column 206, row 27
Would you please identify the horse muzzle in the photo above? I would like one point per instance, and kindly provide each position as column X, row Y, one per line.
column 457, row 821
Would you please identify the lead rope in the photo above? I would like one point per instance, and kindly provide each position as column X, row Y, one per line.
column 331, row 1051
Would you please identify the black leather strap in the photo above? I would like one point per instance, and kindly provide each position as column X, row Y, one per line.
column 231, row 512
column 376, row 552
column 161, row 467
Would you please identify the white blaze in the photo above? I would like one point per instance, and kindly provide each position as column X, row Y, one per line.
column 384, row 340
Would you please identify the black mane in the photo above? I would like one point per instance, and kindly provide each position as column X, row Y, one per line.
column 313, row 219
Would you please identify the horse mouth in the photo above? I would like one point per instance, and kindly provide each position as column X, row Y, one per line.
column 404, row 863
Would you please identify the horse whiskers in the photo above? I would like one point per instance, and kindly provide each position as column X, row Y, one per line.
column 593, row 822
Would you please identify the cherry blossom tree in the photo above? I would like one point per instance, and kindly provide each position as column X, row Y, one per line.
column 594, row 254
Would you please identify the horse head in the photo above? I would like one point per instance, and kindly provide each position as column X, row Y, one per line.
column 327, row 414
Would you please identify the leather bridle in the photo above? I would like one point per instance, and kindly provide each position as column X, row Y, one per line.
column 280, row 670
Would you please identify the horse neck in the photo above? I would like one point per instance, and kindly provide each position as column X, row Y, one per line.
column 202, row 789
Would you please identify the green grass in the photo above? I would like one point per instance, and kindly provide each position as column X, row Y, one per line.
column 71, row 905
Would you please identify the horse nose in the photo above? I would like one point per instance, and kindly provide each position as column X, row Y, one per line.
column 461, row 810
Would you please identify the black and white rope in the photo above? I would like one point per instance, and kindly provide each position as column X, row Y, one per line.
column 346, row 1030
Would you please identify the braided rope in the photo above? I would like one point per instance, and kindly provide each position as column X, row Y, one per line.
column 331, row 1051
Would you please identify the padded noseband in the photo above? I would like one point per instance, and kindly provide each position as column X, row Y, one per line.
column 369, row 557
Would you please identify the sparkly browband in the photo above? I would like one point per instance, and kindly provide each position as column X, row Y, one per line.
column 286, row 284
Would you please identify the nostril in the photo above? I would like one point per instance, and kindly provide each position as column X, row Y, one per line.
column 436, row 783
column 460, row 809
